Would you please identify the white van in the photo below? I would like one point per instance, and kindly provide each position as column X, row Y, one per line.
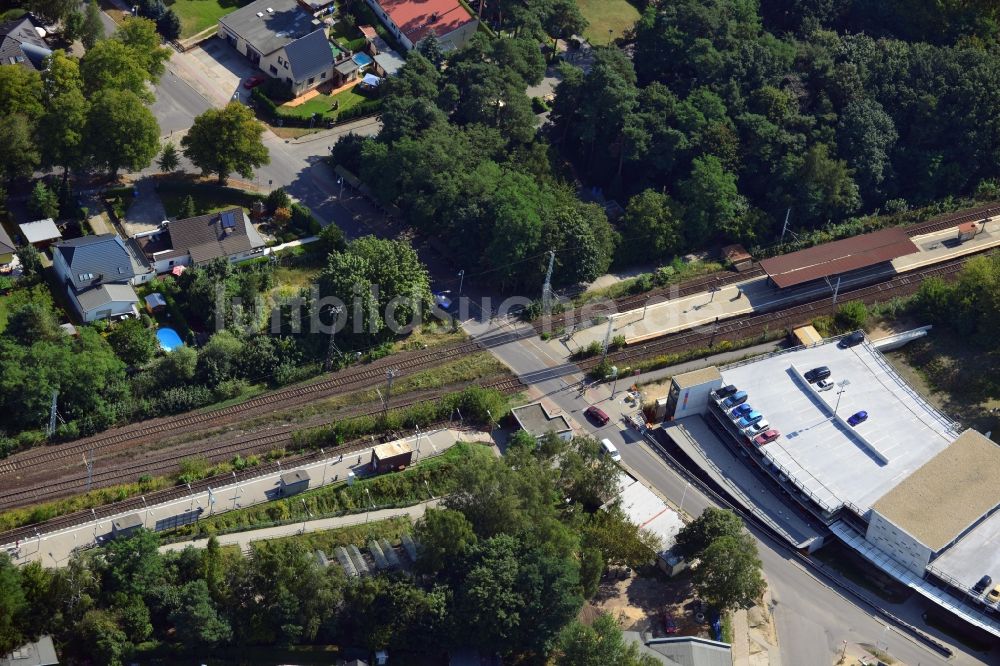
column 610, row 450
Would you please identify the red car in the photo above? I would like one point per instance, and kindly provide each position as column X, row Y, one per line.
column 254, row 81
column 766, row 437
column 597, row 415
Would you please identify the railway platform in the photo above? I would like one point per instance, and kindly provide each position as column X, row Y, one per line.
column 55, row 548
column 759, row 295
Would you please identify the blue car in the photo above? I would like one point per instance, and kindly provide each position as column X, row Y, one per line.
column 749, row 419
column 855, row 419
column 737, row 398
column 742, row 410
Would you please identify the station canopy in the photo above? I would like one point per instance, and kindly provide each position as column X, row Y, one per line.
column 838, row 257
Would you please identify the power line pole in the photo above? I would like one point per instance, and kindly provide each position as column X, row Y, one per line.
column 328, row 364
column 89, row 462
column 785, row 227
column 607, row 338
column 547, row 287
column 52, row 413
column 390, row 375
column 458, row 302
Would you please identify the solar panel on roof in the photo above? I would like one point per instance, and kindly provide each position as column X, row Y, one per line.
column 229, row 220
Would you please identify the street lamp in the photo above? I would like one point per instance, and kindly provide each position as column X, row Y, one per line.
column 843, row 389
column 418, row 444
column 614, row 376
column 371, row 505
column 684, row 495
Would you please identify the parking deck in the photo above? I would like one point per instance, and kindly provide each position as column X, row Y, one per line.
column 832, row 462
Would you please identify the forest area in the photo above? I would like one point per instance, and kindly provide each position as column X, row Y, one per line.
column 709, row 123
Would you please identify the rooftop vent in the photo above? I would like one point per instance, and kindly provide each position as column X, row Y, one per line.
column 260, row 14
column 270, row 11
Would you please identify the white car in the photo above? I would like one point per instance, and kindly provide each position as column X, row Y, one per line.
column 757, row 428
column 824, row 385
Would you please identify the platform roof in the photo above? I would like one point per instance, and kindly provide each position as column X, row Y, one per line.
column 828, row 460
column 948, row 493
column 838, row 257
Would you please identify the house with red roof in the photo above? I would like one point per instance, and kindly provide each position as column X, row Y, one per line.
column 410, row 21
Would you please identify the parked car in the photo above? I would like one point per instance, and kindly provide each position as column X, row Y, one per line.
column 737, row 398
column 254, row 81
column 610, row 450
column 824, row 385
column 749, row 419
column 816, row 374
column 757, row 428
column 855, row 338
column 857, row 417
column 983, row 583
column 741, row 411
column 669, row 623
column 725, row 391
column 994, row 595
column 597, row 415
column 766, row 437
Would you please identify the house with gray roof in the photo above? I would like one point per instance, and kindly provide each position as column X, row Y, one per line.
column 282, row 40
column 196, row 241
column 7, row 247
column 682, row 650
column 21, row 44
column 98, row 273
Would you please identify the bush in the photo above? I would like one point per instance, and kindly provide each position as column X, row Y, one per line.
column 539, row 105
column 366, row 108
column 852, row 316
column 169, row 25
column 277, row 199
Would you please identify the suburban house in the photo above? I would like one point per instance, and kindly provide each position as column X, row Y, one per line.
column 6, row 248
column 40, row 233
column 410, row 21
column 198, row 240
column 283, row 40
column 99, row 272
column 21, row 43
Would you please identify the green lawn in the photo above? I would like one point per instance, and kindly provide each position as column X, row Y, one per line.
column 604, row 15
column 322, row 104
column 197, row 15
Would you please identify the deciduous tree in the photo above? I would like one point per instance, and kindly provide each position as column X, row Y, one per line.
column 223, row 141
column 728, row 573
column 710, row 525
column 123, row 131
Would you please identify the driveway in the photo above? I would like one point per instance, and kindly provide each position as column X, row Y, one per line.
column 215, row 69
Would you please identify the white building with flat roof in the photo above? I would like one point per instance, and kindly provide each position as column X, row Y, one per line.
column 905, row 487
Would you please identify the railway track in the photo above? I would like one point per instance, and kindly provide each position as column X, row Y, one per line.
column 125, row 437
column 725, row 278
column 741, row 328
column 249, row 444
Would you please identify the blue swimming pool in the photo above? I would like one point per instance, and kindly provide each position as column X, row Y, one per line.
column 168, row 338
column 361, row 59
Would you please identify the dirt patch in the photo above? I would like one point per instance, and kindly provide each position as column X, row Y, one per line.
column 641, row 603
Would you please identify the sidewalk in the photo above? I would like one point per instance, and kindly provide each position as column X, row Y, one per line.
column 55, row 548
column 244, row 539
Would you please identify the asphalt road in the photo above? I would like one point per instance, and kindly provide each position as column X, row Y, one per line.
column 813, row 617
